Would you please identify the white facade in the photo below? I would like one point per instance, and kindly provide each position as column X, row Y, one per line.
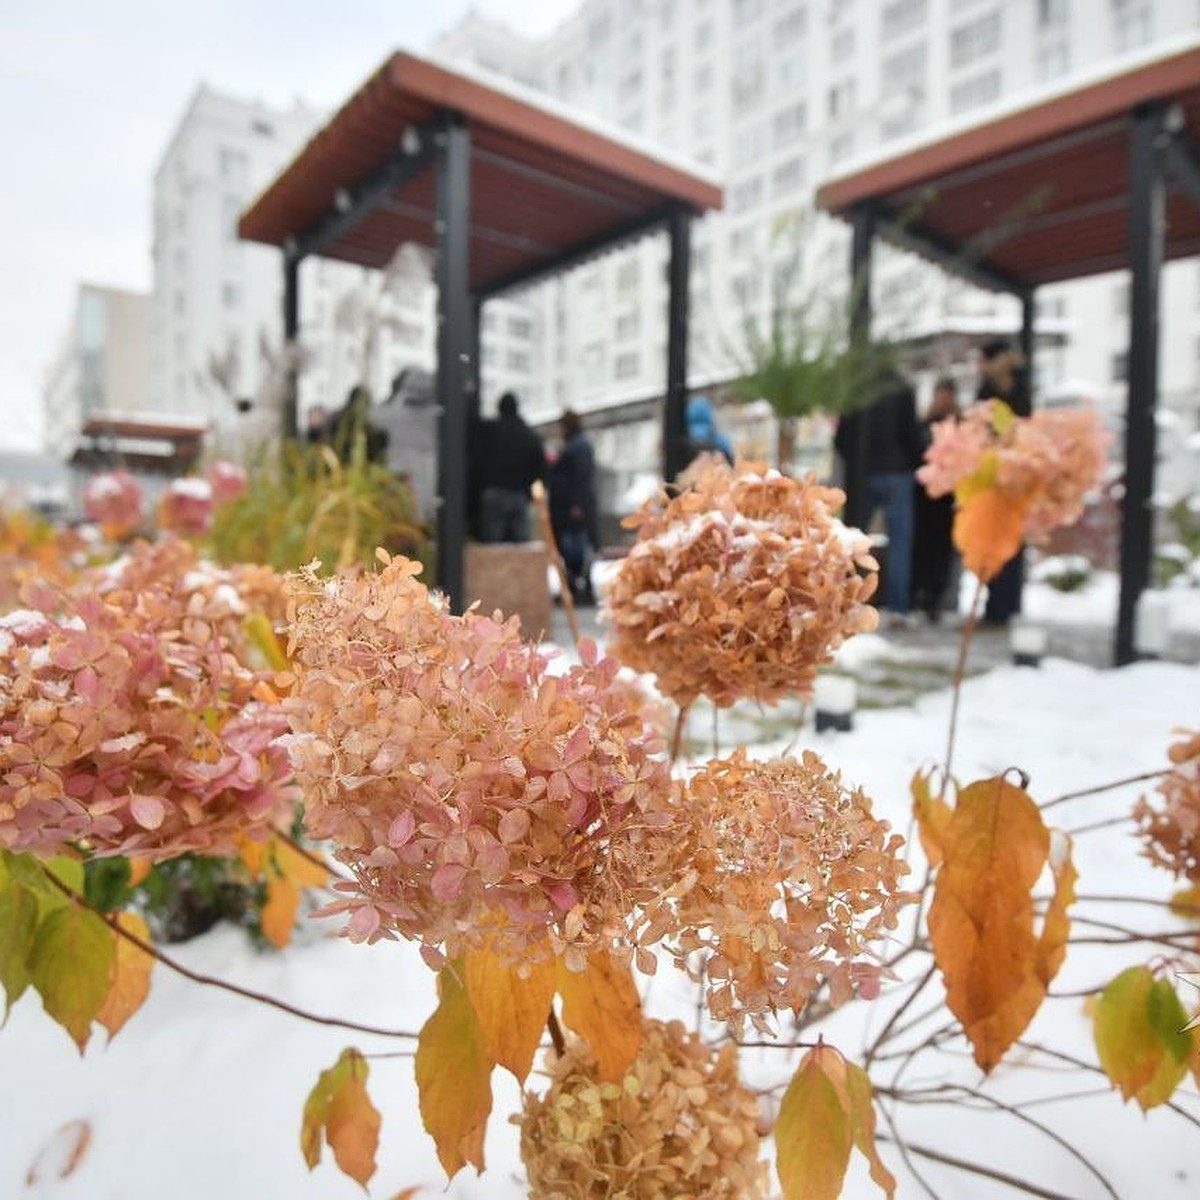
column 775, row 96
column 103, row 364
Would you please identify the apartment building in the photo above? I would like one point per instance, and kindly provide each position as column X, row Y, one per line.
column 775, row 96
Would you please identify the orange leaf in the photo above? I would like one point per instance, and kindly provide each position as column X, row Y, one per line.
column 601, row 1004
column 988, row 530
column 305, row 867
column 933, row 817
column 454, row 1084
column 339, row 1112
column 62, row 1154
column 862, row 1114
column 814, row 1133
column 996, row 969
column 278, row 915
column 511, row 1011
column 139, row 868
column 352, row 1125
column 130, row 976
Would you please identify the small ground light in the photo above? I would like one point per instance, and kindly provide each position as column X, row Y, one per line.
column 835, row 697
column 1027, row 642
column 1152, row 624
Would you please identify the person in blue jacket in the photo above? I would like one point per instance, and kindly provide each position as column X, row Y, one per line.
column 703, row 436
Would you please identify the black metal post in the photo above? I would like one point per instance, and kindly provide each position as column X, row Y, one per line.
column 1027, row 348
column 679, row 226
column 862, row 237
column 290, row 416
column 454, row 349
column 1147, row 225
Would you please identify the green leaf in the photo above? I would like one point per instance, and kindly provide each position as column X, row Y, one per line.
column 71, row 966
column 454, row 1076
column 1138, row 1026
column 106, row 883
column 18, row 920
column 814, row 1133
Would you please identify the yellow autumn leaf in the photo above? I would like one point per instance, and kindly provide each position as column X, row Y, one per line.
column 287, row 871
column 454, row 1073
column 988, row 531
column 601, row 1004
column 278, row 914
column 814, row 1132
column 511, row 1010
column 862, row 1117
column 70, row 965
column 995, row 966
column 130, row 976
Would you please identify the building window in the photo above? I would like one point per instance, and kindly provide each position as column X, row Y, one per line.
column 841, row 100
column 905, row 70
column 789, row 124
column 971, row 93
column 627, row 326
column 704, row 35
column 1054, row 59
column 746, row 288
column 180, row 304
column 517, row 360
column 750, row 146
column 230, row 295
column 627, row 276
column 231, row 163
column 1121, row 300
column 520, row 327
column 1134, row 23
column 843, row 44
column 1052, row 13
column 702, row 79
column 973, row 41
column 842, row 146
column 791, row 27
column 902, row 16
column 788, row 176
column 746, row 195
column 745, row 11
column 790, row 71
column 1119, row 369
column 748, row 86
column 626, row 366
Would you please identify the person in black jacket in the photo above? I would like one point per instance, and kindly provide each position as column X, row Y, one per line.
column 894, row 451
column 933, row 545
column 573, row 514
column 510, row 458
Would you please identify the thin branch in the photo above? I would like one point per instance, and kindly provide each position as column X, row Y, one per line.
column 900, row 1144
column 961, row 1164
column 304, row 852
column 1105, row 787
column 959, row 671
column 223, row 984
column 680, row 726
column 873, row 1049
column 556, row 1034
column 1107, row 824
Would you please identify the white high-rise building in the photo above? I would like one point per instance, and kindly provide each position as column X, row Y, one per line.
column 774, row 97
column 102, row 365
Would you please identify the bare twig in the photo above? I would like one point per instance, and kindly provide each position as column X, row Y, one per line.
column 959, row 672
column 873, row 1049
column 556, row 1033
column 680, row 726
column 962, row 1164
column 223, row 984
column 1105, row 787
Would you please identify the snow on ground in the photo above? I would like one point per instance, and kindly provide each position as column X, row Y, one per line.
column 1096, row 603
column 201, row 1094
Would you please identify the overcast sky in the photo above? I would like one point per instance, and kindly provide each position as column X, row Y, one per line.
column 90, row 93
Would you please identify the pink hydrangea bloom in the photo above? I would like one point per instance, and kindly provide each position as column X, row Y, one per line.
column 186, row 507
column 113, row 498
column 129, row 726
column 228, row 481
column 472, row 794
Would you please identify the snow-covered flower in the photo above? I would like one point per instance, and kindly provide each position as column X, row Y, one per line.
column 227, row 480
column 741, row 586
column 113, row 498
column 186, row 507
column 1171, row 829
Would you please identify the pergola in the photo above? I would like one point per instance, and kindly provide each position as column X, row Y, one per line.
column 507, row 188
column 1096, row 178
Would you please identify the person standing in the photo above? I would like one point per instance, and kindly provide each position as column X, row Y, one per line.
column 894, row 451
column 703, row 434
column 510, row 459
column 573, row 515
column 933, row 546
column 1004, row 375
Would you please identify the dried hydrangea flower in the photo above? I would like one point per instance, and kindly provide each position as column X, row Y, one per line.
column 740, row 587
column 680, row 1124
column 472, row 794
column 113, row 498
column 186, row 507
column 787, row 880
column 1047, row 463
column 1171, row 831
column 227, row 480
column 128, row 726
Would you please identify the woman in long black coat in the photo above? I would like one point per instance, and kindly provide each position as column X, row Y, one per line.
column 573, row 516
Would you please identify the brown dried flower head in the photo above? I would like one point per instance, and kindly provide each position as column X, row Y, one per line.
column 680, row 1124
column 1171, row 830
column 741, row 586
column 787, row 880
column 472, row 794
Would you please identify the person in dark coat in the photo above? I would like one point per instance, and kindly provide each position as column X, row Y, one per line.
column 352, row 423
column 510, row 459
column 894, row 451
column 933, row 546
column 1004, row 375
column 573, row 514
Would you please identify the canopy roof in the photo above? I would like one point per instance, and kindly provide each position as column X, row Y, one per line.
column 1038, row 192
column 548, row 186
